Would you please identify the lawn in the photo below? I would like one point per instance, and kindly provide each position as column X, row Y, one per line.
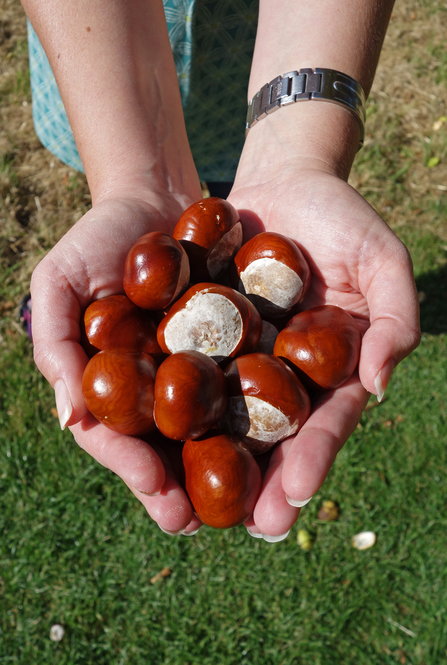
column 76, row 549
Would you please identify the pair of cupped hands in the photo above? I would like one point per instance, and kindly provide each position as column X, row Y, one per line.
column 356, row 262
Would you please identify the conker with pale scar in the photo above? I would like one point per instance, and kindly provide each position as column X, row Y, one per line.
column 273, row 273
column 266, row 401
column 211, row 233
column 323, row 343
column 118, row 389
column 223, row 480
column 156, row 271
column 116, row 322
column 213, row 319
column 190, row 395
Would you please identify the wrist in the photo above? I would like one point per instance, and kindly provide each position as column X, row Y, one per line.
column 306, row 134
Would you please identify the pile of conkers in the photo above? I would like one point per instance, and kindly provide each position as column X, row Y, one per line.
column 197, row 349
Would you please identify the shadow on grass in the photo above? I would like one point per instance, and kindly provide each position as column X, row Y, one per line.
column 432, row 288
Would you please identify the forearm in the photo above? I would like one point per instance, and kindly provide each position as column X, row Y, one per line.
column 114, row 67
column 345, row 36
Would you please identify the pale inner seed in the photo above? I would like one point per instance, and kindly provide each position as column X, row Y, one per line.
column 221, row 255
column 272, row 280
column 209, row 323
column 253, row 417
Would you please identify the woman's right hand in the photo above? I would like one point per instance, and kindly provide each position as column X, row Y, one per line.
column 85, row 265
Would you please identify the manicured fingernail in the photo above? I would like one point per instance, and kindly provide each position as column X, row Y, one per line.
column 253, row 533
column 275, row 539
column 190, row 533
column 382, row 379
column 63, row 405
column 297, row 504
column 172, row 533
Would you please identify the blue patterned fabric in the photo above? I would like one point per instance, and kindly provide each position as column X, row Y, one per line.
column 212, row 43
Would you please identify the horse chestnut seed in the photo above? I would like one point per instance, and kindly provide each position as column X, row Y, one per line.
column 211, row 233
column 213, row 319
column 273, row 273
column 116, row 322
column 266, row 401
column 190, row 395
column 323, row 343
column 156, row 271
column 118, row 389
column 223, row 480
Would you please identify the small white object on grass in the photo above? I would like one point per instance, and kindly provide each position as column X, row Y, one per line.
column 364, row 540
column 57, row 632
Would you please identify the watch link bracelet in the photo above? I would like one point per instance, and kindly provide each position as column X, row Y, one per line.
column 326, row 85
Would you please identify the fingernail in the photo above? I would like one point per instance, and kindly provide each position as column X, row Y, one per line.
column 297, row 504
column 63, row 405
column 171, row 533
column 147, row 493
column 190, row 533
column 382, row 379
column 275, row 539
column 253, row 533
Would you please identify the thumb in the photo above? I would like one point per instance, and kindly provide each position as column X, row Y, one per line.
column 394, row 315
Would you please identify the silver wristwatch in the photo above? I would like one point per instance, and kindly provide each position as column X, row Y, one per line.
column 326, row 85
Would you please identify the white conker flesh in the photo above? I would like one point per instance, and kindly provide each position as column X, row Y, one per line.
column 273, row 273
column 212, row 319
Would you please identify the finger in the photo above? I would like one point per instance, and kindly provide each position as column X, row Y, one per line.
column 171, row 509
column 56, row 313
column 313, row 451
column 394, row 314
column 131, row 458
column 273, row 517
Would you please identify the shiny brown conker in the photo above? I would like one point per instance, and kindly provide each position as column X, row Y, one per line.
column 190, row 395
column 323, row 343
column 273, row 273
column 156, row 271
column 222, row 478
column 118, row 389
column 213, row 319
column 116, row 322
column 266, row 401
column 211, row 233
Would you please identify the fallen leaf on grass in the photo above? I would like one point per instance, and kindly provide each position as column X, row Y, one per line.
column 329, row 511
column 304, row 540
column 164, row 572
column 57, row 632
column 364, row 540
column 438, row 123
